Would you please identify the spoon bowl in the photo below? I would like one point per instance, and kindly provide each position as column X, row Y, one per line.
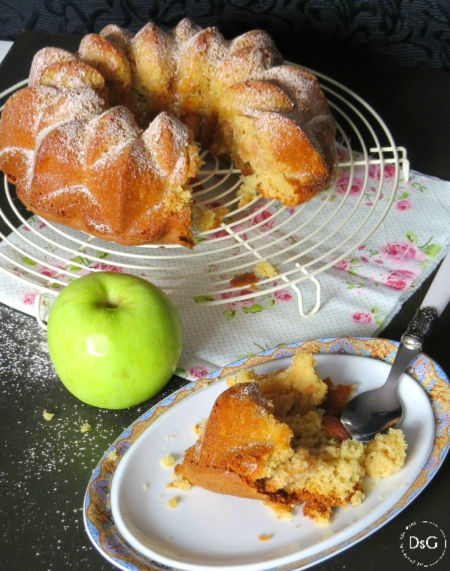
column 369, row 413
column 379, row 409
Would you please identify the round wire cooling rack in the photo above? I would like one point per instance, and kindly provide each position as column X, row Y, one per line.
column 254, row 237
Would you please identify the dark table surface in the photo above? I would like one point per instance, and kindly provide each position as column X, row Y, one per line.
column 45, row 467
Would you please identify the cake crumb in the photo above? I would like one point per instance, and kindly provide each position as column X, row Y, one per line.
column 244, row 280
column 180, row 484
column 173, row 502
column 242, row 376
column 48, row 416
column 246, row 193
column 86, row 427
column 145, row 486
column 264, row 269
column 280, row 511
column 385, row 454
column 199, row 427
column 265, row 536
column 205, row 219
column 168, row 461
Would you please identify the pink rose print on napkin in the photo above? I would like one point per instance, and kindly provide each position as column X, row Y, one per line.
column 198, row 371
column 241, row 303
column 342, row 265
column 29, row 298
column 344, row 181
column 375, row 171
column 282, row 295
column 218, row 234
column 362, row 317
column 368, row 317
column 342, row 154
column 400, row 263
column 106, row 267
column 49, row 272
column 264, row 216
column 38, row 225
column 401, row 253
column 401, row 279
column 403, row 204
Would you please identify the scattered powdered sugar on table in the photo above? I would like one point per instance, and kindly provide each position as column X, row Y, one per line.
column 46, row 465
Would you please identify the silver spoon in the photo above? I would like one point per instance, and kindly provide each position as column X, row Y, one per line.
column 377, row 410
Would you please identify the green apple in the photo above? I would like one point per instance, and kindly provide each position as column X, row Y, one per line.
column 114, row 339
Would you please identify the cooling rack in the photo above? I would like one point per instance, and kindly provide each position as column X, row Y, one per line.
column 298, row 243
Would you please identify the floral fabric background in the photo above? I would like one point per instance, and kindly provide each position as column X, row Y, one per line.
column 409, row 33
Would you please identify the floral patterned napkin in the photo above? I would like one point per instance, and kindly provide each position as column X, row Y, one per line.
column 360, row 294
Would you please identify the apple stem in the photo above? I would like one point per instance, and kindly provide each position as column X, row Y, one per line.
column 108, row 304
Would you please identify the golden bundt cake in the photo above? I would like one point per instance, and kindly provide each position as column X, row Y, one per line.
column 104, row 140
column 271, row 437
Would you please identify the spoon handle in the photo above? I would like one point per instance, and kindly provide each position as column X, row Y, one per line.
column 419, row 327
column 438, row 295
column 434, row 303
column 411, row 344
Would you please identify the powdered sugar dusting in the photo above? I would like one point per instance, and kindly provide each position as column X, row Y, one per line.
column 170, row 162
column 311, row 111
column 43, row 59
column 83, row 103
column 46, row 465
column 19, row 150
column 185, row 30
column 75, row 190
column 298, row 84
column 72, row 75
column 111, row 155
column 108, row 134
column 160, row 43
column 101, row 227
column 208, row 45
column 116, row 35
column 253, row 38
column 69, row 139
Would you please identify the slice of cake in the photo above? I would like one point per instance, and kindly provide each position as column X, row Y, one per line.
column 277, row 437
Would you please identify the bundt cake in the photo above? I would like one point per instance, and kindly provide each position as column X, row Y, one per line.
column 277, row 438
column 106, row 140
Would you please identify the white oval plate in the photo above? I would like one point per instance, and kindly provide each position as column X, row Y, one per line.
column 213, row 531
